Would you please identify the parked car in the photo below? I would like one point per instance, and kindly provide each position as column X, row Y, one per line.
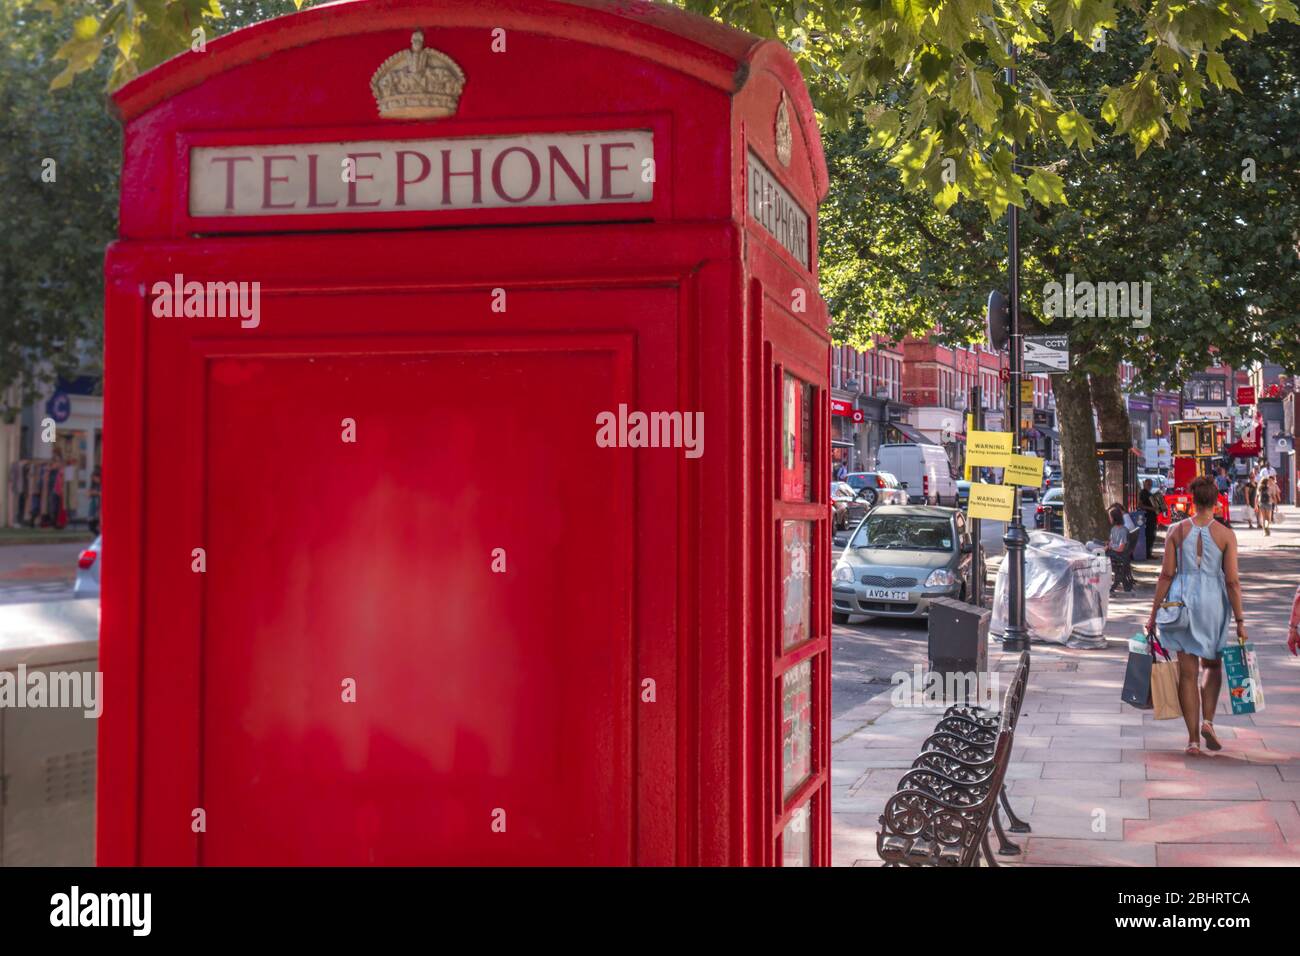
column 899, row 558
column 842, row 494
column 88, row 563
column 963, row 492
column 1050, row 513
column 923, row 470
column 877, row 488
column 1052, row 477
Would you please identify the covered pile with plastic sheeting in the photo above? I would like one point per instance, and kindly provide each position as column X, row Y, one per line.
column 1067, row 592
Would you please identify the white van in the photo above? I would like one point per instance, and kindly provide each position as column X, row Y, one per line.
column 926, row 470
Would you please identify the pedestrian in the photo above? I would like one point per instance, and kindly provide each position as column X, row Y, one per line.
column 1265, row 496
column 1121, row 564
column 1223, row 482
column 1200, row 573
column 96, row 490
column 1146, row 502
column 1252, row 504
column 841, row 472
column 1293, row 628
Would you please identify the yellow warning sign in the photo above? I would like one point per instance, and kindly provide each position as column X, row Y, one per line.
column 987, row 449
column 1024, row 470
column 991, row 501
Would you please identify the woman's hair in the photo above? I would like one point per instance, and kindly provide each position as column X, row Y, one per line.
column 1116, row 515
column 1204, row 492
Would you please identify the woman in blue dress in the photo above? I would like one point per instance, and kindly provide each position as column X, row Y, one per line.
column 1200, row 569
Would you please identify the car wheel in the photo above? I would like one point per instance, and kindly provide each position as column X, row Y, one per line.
column 839, row 617
column 871, row 497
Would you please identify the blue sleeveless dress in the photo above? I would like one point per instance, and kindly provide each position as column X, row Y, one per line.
column 1201, row 586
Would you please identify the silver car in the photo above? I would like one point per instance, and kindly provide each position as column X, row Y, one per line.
column 88, row 563
column 900, row 557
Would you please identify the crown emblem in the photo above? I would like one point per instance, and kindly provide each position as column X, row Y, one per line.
column 419, row 83
column 784, row 139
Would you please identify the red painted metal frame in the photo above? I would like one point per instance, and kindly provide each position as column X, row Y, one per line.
column 702, row 540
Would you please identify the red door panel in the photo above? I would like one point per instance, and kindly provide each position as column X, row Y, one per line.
column 373, row 561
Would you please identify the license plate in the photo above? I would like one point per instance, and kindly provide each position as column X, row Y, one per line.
column 886, row 594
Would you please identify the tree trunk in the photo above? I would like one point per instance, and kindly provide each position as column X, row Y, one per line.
column 1113, row 423
column 1085, row 514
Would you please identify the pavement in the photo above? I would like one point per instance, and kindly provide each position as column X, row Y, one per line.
column 1104, row 784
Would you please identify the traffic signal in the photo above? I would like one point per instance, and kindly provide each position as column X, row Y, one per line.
column 997, row 322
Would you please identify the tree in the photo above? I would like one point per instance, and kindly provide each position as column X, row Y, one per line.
column 59, row 208
column 1214, row 236
column 946, row 113
column 61, row 154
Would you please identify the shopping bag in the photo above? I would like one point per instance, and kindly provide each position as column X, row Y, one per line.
column 1164, row 689
column 1137, row 676
column 1241, row 670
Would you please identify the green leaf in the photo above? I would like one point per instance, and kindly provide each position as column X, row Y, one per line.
column 1216, row 68
column 1061, row 13
column 1075, row 129
column 1046, row 187
column 884, row 131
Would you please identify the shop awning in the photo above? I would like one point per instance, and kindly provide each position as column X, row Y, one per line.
column 911, row 434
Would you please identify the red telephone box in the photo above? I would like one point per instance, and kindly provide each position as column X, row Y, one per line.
column 467, row 446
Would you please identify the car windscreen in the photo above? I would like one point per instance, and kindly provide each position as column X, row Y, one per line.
column 905, row 532
column 858, row 481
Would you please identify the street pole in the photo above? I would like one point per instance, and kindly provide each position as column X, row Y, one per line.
column 975, row 402
column 1015, row 637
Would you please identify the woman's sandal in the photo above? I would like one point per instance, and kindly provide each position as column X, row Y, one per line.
column 1207, row 732
column 1193, row 750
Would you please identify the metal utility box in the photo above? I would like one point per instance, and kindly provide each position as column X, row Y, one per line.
column 959, row 642
column 48, row 658
column 423, row 552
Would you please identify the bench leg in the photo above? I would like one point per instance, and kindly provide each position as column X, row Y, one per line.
column 1017, row 825
column 988, row 851
column 1005, row 846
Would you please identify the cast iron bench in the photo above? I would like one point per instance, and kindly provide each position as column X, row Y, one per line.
column 943, row 806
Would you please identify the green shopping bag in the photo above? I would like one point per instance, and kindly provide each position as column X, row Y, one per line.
column 1241, row 670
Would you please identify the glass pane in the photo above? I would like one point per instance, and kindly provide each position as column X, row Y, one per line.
column 796, row 440
column 796, row 727
column 796, row 582
column 796, row 839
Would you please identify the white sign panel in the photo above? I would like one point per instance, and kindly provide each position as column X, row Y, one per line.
column 1047, row 353
column 304, row 179
column 776, row 210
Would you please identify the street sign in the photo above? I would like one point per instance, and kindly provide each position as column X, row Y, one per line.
column 1004, row 374
column 990, row 501
column 1047, row 353
column 1024, row 470
column 1026, row 391
column 987, row 449
column 59, row 407
column 1246, row 395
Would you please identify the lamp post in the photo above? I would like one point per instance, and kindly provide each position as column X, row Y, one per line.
column 1015, row 637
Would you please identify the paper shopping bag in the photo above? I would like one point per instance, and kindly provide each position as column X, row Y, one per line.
column 1164, row 690
column 1241, row 671
column 1137, row 681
